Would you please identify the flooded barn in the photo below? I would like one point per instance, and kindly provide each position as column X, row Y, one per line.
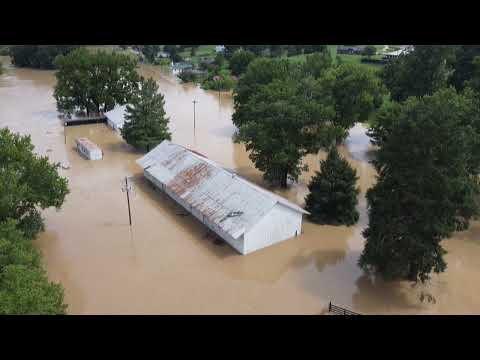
column 116, row 118
column 243, row 214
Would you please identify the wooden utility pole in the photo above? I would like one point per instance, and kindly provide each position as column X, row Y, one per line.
column 127, row 190
column 194, row 102
column 65, row 132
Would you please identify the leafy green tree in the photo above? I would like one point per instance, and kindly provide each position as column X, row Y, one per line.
column 28, row 182
column 369, row 51
column 421, row 72
column 219, row 80
column 288, row 120
column 333, row 192
column 230, row 50
column 38, row 56
column 146, row 123
column 427, row 185
column 239, row 61
column 26, row 291
column 260, row 71
column 464, row 65
column 357, row 93
column 94, row 82
column 150, row 52
column 474, row 81
column 219, row 60
column 24, row 286
column 315, row 64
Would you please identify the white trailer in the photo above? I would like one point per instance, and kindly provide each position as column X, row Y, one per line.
column 89, row 149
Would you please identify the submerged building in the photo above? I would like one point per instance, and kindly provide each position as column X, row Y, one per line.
column 116, row 118
column 243, row 214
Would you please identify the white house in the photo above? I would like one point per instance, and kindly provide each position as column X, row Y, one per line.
column 245, row 215
column 116, row 118
column 219, row 48
column 89, row 149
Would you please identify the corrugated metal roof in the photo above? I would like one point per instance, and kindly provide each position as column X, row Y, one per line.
column 117, row 116
column 224, row 198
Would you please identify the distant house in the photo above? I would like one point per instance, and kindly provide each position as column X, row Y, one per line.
column 405, row 49
column 116, row 118
column 241, row 213
column 219, row 48
column 181, row 66
column 163, row 55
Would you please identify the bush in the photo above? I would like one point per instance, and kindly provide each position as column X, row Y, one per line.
column 188, row 76
column 223, row 81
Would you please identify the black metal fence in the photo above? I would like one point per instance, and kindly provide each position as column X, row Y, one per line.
column 337, row 310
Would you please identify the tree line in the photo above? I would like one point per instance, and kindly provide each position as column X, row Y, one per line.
column 28, row 182
column 422, row 110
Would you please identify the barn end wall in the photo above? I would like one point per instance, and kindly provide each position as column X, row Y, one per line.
column 237, row 244
column 281, row 223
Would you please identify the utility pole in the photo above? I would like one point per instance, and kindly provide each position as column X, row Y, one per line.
column 65, row 132
column 127, row 189
column 194, row 102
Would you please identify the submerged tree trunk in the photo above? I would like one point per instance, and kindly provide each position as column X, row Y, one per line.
column 283, row 182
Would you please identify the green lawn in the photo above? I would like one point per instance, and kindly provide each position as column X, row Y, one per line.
column 203, row 51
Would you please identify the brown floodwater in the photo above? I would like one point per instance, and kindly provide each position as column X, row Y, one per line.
column 165, row 264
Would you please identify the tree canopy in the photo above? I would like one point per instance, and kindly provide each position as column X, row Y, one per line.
column 333, row 192
column 287, row 120
column 423, row 71
column 27, row 182
column 24, row 286
column 427, row 184
column 285, row 110
column 150, row 52
column 240, row 60
column 38, row 56
column 146, row 123
column 94, row 82
column 464, row 66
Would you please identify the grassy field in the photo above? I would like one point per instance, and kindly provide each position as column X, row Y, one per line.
column 203, row 51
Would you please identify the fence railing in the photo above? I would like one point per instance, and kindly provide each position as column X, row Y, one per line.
column 334, row 309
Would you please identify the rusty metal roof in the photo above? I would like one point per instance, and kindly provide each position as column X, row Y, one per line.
column 222, row 197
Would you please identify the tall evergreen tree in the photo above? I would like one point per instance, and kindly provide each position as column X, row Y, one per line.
column 333, row 192
column 146, row 123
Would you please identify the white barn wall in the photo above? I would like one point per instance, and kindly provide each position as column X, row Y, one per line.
column 278, row 225
column 237, row 244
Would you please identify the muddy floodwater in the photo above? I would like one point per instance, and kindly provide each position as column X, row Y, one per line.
column 165, row 264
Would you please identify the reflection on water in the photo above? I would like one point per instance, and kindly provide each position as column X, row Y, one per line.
column 165, row 263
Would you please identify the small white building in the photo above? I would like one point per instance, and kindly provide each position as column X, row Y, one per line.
column 89, row 149
column 116, row 118
column 243, row 214
column 219, row 48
